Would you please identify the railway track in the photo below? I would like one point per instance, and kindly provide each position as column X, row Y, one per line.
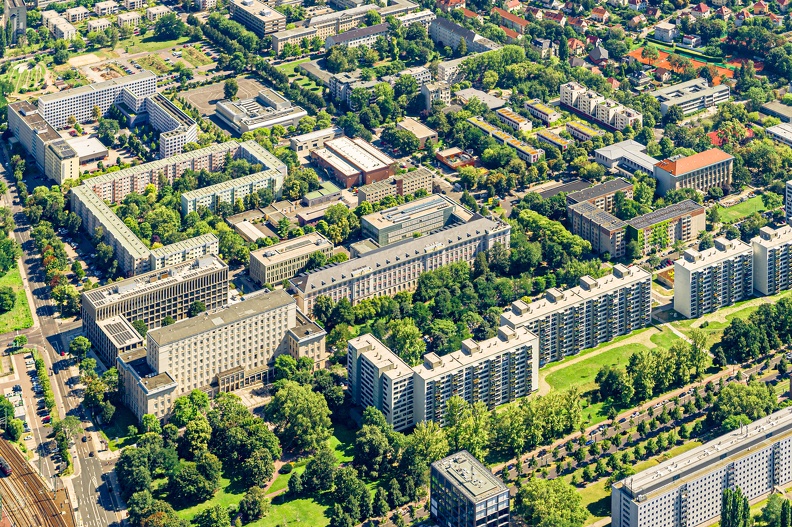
column 25, row 498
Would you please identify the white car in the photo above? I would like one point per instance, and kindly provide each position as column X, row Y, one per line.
column 28, row 437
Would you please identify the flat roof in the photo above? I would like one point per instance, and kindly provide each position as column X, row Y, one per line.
column 725, row 449
column 210, row 321
column 539, row 106
column 185, row 245
column 409, row 211
column 420, row 130
column 552, row 137
column 666, row 213
column 258, row 9
column 318, row 134
column 584, row 128
column 151, row 281
column 364, row 246
column 572, row 186
column 148, row 379
column 112, row 83
column 603, row 189
column 361, row 32
column 779, row 108
column 294, row 248
column 510, row 114
column 381, row 356
column 783, row 130
column 684, row 90
column 358, row 152
column 338, row 164
column 119, row 331
column 325, row 189
column 108, row 219
column 62, row 149
column 491, row 101
column 770, row 237
column 597, row 215
column 723, row 249
column 87, row 146
column 629, row 149
column 34, row 120
column 470, row 476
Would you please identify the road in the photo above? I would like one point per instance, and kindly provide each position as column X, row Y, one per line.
column 92, row 495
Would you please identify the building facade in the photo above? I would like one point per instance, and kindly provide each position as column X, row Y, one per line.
column 772, row 260
column 705, row 281
column 603, row 195
column 602, row 229
column 412, row 219
column 257, row 17
column 279, row 262
column 353, row 162
column 691, row 96
column 398, row 185
column 701, row 171
column 606, row 112
column 231, row 191
column 661, row 228
column 596, row 311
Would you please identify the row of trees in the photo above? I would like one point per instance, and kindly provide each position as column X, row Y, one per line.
column 765, row 330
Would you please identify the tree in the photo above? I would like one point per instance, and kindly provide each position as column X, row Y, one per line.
column 319, row 471
column 300, row 416
column 230, row 89
column 140, row 327
column 7, row 299
column 550, row 502
column 295, row 484
column 254, row 504
column 754, row 401
column 380, row 505
column 196, row 308
column 169, row 27
column 150, row 423
column 20, row 341
column 96, row 112
column 406, row 340
column 285, row 367
column 79, row 348
column 216, row 516
column 735, row 510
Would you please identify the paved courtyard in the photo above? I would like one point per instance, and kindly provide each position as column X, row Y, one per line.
column 205, row 97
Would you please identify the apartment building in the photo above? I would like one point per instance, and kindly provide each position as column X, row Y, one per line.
column 56, row 108
column 551, row 138
column 155, row 13
column 444, row 32
column 343, row 84
column 436, row 91
column 176, row 127
column 389, row 270
column 606, row 112
column 542, row 112
column 423, row 17
column 513, row 120
column 291, row 36
column 511, row 21
column 108, row 7
column 666, row 32
column 129, row 19
column 602, row 195
column 412, row 219
column 353, row 162
column 143, row 390
column 688, row 489
column 15, row 19
column 205, row 5
column 61, row 162
column 691, row 96
column 257, row 17
column 781, row 132
column 279, row 262
column 602, row 229
column 304, row 143
column 465, row 493
column 701, row 171
column 772, row 259
column 422, row 132
column 627, row 156
column 788, row 202
column 131, row 5
column 152, row 296
column 448, row 71
column 705, row 281
column 659, row 229
column 184, row 251
column 596, row 311
column 231, row 191
column 355, row 38
column 582, row 132
column 524, row 151
column 267, row 109
column 76, row 14
column 99, row 24
column 398, row 185
column 494, row 371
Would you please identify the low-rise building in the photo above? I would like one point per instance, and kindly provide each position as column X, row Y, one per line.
column 418, row 129
column 155, row 13
column 455, row 158
column 326, row 193
column 364, row 36
column 510, row 20
column 781, row 133
column 184, row 251
column 513, row 120
column 399, row 185
column 305, row 143
column 661, row 228
column 626, row 155
column 551, row 138
column 701, row 171
column 353, row 162
column 108, row 7
column 423, row 17
column 596, row 311
column 279, row 262
column 691, row 96
column 130, row 19
column 544, row 47
column 541, row 111
column 444, row 32
column 412, row 219
column 582, row 131
column 291, row 36
column 267, row 109
column 524, row 151
column 705, row 281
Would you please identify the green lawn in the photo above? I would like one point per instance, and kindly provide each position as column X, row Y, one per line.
column 150, row 43
column 21, row 76
column 665, row 338
column 20, row 316
column 304, row 511
column 581, row 374
column 290, row 69
column 741, row 210
column 119, row 429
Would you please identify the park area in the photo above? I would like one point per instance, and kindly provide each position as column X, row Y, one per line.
column 150, row 44
column 742, row 210
column 290, row 69
column 25, row 78
column 19, row 317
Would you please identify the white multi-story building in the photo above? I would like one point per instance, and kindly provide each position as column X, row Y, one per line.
column 176, row 127
column 688, row 489
column 131, row 5
column 257, row 17
column 705, row 281
column 129, row 19
column 108, row 7
column 279, row 262
column 435, row 91
column 355, row 38
column 76, row 14
column 423, row 17
column 56, row 108
column 231, row 191
column 100, row 24
column 596, row 311
column 155, row 13
column 781, row 132
column 184, row 251
column 788, row 202
column 494, row 371
column 691, row 96
column 772, row 260
column 389, row 270
column 542, row 112
column 605, row 111
column 526, row 152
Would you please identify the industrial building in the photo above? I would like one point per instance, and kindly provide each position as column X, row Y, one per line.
column 399, row 185
column 596, row 311
column 389, row 270
column 267, row 109
column 705, row 281
column 688, row 489
column 772, row 260
column 279, row 262
column 353, row 162
column 691, row 96
column 412, row 219
column 465, row 493
column 701, row 171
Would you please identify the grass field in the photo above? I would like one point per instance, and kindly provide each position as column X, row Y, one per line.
column 581, row 374
column 20, row 316
column 195, row 57
column 741, row 210
column 149, row 43
column 21, row 76
column 290, row 69
column 154, row 63
column 119, row 429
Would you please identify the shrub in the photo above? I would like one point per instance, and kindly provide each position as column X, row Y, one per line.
column 286, row 468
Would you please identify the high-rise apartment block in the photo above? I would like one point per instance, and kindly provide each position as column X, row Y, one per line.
column 465, row 493
column 494, row 371
column 788, row 202
column 701, row 171
column 688, row 489
column 176, row 127
column 389, row 270
column 279, row 262
column 153, row 296
column 705, row 281
column 15, row 19
column 412, row 219
column 596, row 311
column 772, row 260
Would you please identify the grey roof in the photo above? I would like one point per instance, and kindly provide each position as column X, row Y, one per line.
column 211, row 321
column 470, row 476
column 120, row 81
column 666, row 213
column 455, row 28
column 572, row 186
column 598, row 216
column 603, row 189
column 406, row 249
column 599, row 53
column 353, row 34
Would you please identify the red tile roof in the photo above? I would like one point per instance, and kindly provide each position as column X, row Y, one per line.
column 510, row 17
column 574, row 44
column 701, row 8
column 694, row 162
column 614, row 84
column 511, row 4
column 510, row 32
column 468, row 13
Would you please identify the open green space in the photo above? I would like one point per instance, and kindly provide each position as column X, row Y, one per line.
column 22, row 76
column 117, row 434
column 154, row 63
column 195, row 57
column 290, row 69
column 20, row 316
column 665, row 338
column 150, row 43
column 741, row 210
column 581, row 374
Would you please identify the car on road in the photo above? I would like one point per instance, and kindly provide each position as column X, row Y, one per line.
column 28, row 437
column 589, row 442
column 46, row 419
column 84, row 439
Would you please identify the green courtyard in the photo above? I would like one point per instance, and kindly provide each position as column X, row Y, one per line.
column 290, row 69
column 741, row 210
